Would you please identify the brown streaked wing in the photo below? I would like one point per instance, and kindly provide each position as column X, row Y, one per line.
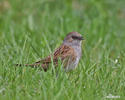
column 64, row 52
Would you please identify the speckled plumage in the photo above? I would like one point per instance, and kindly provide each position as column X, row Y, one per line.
column 69, row 52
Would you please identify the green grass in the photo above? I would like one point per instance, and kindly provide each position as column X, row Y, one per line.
column 31, row 29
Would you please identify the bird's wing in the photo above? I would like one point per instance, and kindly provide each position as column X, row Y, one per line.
column 64, row 52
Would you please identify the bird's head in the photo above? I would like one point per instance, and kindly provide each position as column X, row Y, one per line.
column 73, row 39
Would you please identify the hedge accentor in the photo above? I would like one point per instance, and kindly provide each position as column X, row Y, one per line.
column 69, row 52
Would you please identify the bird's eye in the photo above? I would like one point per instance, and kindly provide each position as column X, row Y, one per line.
column 74, row 37
column 77, row 38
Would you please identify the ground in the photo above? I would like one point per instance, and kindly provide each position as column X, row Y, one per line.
column 32, row 29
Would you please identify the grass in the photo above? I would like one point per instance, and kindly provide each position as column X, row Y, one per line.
column 31, row 29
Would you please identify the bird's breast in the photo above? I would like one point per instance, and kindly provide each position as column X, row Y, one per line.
column 73, row 64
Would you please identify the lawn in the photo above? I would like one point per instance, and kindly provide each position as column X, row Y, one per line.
column 32, row 29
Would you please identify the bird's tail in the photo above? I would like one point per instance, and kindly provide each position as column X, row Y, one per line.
column 30, row 65
column 35, row 65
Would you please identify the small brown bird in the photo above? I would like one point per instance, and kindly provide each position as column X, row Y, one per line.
column 69, row 52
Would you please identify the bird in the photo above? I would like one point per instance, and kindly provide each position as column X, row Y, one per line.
column 69, row 52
